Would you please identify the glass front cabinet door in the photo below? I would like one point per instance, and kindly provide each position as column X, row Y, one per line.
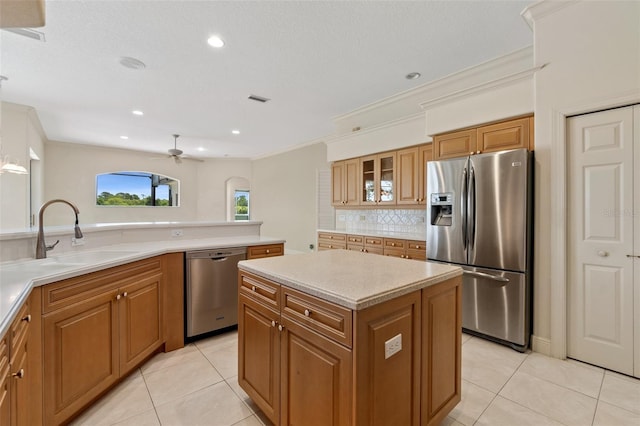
column 378, row 179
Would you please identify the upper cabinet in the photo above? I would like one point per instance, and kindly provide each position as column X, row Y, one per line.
column 510, row 134
column 378, row 179
column 396, row 178
column 344, row 183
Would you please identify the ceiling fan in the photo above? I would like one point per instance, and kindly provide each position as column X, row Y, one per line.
column 176, row 153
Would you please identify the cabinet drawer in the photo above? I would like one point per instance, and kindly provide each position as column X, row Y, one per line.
column 332, row 237
column 20, row 325
column 373, row 242
column 257, row 252
column 260, row 289
column 73, row 290
column 416, row 245
column 328, row 319
column 393, row 243
column 355, row 239
column 373, row 250
column 416, row 254
column 322, row 245
column 395, row 252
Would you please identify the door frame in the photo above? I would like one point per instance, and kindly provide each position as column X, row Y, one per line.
column 558, row 222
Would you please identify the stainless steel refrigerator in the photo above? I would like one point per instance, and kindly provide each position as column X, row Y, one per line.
column 479, row 217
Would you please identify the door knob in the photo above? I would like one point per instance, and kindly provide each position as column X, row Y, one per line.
column 603, row 253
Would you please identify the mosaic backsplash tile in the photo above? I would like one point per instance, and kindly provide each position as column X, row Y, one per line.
column 380, row 220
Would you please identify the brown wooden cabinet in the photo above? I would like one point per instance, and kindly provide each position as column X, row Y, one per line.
column 425, row 154
column 20, row 383
column 293, row 354
column 267, row 250
column 330, row 241
column 5, row 382
column 304, row 360
column 344, row 183
column 408, row 176
column 96, row 328
column 378, row 184
column 504, row 135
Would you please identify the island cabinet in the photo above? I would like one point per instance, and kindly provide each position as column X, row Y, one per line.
column 307, row 360
column 97, row 328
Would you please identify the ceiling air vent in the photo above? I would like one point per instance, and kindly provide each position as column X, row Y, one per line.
column 258, row 98
column 27, row 32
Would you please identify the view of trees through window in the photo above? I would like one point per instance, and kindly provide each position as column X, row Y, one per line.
column 242, row 205
column 136, row 189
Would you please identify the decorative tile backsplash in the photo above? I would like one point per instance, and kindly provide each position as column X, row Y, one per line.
column 381, row 220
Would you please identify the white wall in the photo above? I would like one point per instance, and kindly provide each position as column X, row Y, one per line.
column 283, row 194
column 593, row 52
column 71, row 170
column 20, row 131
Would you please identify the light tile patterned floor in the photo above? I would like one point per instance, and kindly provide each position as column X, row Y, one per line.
column 197, row 385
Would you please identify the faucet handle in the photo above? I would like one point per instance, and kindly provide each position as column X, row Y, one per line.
column 52, row 246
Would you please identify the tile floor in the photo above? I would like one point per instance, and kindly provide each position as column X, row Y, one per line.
column 197, row 385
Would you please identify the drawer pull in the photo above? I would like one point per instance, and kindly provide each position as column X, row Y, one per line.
column 267, row 251
column 331, row 237
column 307, row 313
column 418, row 247
column 27, row 318
column 393, row 244
column 19, row 374
column 253, row 288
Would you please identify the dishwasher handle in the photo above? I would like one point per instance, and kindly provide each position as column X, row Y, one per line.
column 219, row 259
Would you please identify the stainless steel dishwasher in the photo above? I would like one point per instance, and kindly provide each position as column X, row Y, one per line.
column 212, row 289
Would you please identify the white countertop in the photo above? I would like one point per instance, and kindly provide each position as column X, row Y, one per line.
column 18, row 277
column 351, row 279
column 382, row 234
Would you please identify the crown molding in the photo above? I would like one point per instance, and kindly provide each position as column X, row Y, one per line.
column 480, row 88
column 374, row 129
column 452, row 80
column 542, row 9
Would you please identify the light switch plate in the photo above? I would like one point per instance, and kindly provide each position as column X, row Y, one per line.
column 392, row 346
column 176, row 233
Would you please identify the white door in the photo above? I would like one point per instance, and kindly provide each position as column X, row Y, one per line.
column 601, row 280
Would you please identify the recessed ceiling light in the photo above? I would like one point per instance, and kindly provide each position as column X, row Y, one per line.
column 124, row 137
column 137, row 112
column 235, row 132
column 215, row 41
column 413, row 76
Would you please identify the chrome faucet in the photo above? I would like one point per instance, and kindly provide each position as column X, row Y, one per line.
column 41, row 246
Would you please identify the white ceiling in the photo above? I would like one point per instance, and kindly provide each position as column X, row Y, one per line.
column 315, row 60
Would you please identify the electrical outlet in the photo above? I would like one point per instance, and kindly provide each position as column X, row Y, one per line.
column 392, row 346
column 175, row 233
column 77, row 241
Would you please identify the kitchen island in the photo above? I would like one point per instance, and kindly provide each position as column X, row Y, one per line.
column 346, row 338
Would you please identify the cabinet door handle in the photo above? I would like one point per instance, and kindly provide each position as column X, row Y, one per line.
column 118, row 297
column 253, row 288
column 280, row 327
column 27, row 318
column 273, row 323
column 477, row 152
column 307, row 313
column 633, row 255
column 125, row 294
column 603, row 253
column 19, row 374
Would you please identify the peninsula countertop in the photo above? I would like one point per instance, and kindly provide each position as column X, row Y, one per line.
column 350, row 279
column 18, row 277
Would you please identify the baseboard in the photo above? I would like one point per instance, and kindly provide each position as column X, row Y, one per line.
column 541, row 345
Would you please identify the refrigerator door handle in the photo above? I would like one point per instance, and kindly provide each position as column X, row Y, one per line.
column 463, row 210
column 476, row 274
column 471, row 209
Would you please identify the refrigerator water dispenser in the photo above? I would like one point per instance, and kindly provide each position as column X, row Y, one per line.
column 441, row 208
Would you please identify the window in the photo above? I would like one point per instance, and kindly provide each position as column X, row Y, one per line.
column 136, row 189
column 241, row 204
